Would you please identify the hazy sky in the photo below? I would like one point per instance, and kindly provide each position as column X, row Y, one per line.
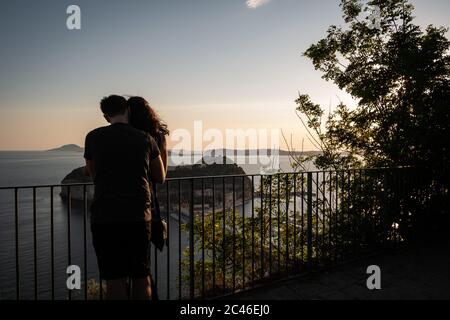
column 228, row 63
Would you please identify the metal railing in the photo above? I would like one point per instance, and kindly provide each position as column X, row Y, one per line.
column 225, row 233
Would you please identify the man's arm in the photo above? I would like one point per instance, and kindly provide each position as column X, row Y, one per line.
column 89, row 168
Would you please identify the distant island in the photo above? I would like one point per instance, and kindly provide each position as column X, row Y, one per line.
column 67, row 148
column 241, row 152
column 207, row 153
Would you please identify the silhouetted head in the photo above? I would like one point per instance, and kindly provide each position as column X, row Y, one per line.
column 144, row 118
column 114, row 106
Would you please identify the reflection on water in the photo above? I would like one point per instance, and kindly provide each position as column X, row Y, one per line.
column 43, row 248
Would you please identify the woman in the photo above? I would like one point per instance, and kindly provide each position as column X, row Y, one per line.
column 144, row 118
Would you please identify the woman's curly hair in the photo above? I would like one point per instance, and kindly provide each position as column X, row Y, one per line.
column 144, row 118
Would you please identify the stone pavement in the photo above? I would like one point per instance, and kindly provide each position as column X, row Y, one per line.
column 416, row 272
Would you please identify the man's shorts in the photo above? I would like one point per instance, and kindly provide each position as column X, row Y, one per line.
column 123, row 249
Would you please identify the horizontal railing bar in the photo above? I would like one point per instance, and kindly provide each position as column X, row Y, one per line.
column 210, row 177
column 48, row 186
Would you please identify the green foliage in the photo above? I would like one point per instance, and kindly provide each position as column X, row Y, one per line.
column 399, row 76
column 93, row 290
column 246, row 248
column 398, row 73
column 346, row 220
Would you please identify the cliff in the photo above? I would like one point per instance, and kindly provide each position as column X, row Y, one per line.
column 196, row 170
column 77, row 192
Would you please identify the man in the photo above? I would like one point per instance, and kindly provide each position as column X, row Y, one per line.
column 121, row 160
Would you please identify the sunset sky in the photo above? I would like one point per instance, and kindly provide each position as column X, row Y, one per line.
column 229, row 63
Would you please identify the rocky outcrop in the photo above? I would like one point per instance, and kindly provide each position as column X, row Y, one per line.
column 197, row 170
column 77, row 192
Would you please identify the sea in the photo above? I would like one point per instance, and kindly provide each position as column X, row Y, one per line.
column 37, row 265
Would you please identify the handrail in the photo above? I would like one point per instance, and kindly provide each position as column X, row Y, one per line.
column 211, row 177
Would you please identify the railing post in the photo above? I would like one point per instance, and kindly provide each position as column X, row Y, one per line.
column 16, row 215
column 385, row 211
column 309, row 218
column 191, row 243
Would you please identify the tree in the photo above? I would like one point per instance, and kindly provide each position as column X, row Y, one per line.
column 399, row 75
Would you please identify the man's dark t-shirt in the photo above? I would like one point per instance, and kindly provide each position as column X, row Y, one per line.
column 121, row 157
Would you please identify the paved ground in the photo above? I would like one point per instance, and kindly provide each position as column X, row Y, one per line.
column 418, row 272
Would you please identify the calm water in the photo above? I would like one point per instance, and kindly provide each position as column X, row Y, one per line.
column 43, row 168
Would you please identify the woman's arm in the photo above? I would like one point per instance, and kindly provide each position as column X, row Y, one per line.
column 164, row 152
column 157, row 171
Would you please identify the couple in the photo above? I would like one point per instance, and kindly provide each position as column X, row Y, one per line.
column 124, row 159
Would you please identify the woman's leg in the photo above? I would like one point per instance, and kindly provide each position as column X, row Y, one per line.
column 141, row 289
column 116, row 289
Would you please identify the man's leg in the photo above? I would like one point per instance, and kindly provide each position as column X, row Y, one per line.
column 142, row 289
column 116, row 289
column 140, row 260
